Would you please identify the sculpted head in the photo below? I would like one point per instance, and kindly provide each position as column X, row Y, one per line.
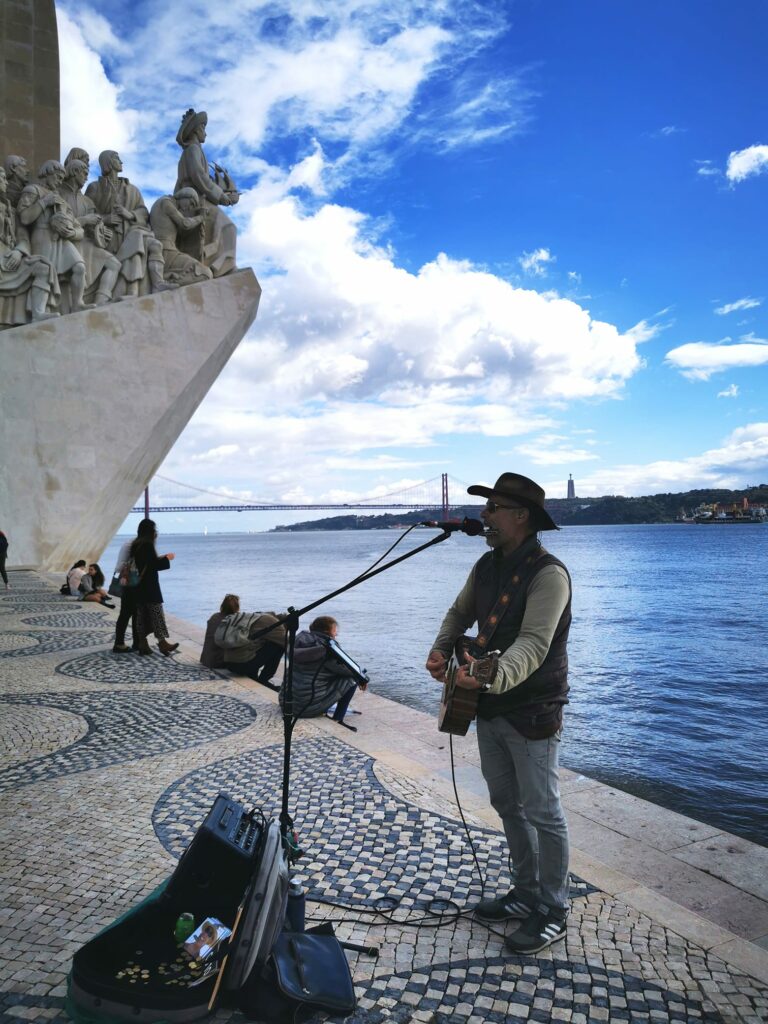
column 52, row 173
column 77, row 154
column 3, row 182
column 187, row 200
column 16, row 167
column 77, row 173
column 110, row 160
column 192, row 128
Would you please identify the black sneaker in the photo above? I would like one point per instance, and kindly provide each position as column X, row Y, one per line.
column 540, row 930
column 504, row 908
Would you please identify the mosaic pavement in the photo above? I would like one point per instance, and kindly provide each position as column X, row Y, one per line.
column 104, row 786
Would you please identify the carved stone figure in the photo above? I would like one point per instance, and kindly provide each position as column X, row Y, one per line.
column 26, row 281
column 17, row 175
column 76, row 153
column 219, row 240
column 177, row 216
column 53, row 232
column 122, row 206
column 101, row 267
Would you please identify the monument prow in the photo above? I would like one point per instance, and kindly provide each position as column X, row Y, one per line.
column 92, row 403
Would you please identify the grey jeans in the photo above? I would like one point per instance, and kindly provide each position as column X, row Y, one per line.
column 523, row 784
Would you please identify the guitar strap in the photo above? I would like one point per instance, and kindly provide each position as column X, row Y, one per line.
column 503, row 604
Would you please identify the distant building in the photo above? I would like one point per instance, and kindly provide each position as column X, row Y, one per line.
column 571, row 486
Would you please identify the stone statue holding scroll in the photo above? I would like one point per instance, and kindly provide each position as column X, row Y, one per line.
column 26, row 281
column 219, row 239
column 53, row 232
column 122, row 207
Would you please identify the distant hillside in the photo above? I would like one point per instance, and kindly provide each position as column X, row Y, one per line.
column 608, row 510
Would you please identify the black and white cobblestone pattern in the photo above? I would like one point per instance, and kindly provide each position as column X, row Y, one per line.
column 106, row 667
column 77, row 619
column 18, row 645
column 124, row 725
column 364, row 846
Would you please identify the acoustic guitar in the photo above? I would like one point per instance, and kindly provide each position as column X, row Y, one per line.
column 458, row 706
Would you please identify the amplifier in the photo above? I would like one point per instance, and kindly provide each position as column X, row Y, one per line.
column 221, row 858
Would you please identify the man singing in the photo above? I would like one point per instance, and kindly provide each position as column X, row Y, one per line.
column 520, row 596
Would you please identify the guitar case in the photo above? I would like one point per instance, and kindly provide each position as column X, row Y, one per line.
column 234, row 870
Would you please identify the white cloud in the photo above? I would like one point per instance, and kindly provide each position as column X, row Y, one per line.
column 745, row 163
column 216, row 454
column 535, row 263
column 732, row 307
column 93, row 115
column 706, row 170
column 698, row 360
column 732, row 391
column 552, row 450
column 741, row 460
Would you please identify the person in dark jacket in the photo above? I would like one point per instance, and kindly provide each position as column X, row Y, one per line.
column 150, row 617
column 520, row 596
column 3, row 556
column 320, row 679
column 259, row 657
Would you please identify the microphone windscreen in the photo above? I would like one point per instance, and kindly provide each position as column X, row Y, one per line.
column 472, row 527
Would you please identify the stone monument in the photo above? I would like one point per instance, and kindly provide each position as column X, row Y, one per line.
column 114, row 323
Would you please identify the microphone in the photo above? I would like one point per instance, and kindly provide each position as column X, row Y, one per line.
column 472, row 527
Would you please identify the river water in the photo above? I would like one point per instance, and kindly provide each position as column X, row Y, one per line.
column 667, row 652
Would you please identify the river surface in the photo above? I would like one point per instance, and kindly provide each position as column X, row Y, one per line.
column 667, row 651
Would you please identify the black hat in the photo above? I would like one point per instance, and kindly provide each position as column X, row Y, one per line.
column 513, row 487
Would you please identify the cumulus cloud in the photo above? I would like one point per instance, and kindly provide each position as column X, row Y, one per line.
column 552, row 450
column 744, row 163
column 732, row 391
column 352, row 355
column 535, row 263
column 741, row 460
column 732, row 307
column 94, row 115
column 698, row 360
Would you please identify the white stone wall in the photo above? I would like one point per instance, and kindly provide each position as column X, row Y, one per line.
column 90, row 405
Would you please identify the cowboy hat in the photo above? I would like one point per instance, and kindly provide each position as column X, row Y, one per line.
column 513, row 487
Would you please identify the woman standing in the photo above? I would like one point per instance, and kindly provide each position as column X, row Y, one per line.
column 3, row 556
column 149, row 599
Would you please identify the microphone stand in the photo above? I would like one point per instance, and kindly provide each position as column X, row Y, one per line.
column 291, row 622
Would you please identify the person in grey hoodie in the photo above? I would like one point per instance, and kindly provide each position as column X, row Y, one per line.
column 320, row 678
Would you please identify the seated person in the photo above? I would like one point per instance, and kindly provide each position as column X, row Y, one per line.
column 212, row 656
column 74, row 576
column 91, row 586
column 320, row 679
column 257, row 658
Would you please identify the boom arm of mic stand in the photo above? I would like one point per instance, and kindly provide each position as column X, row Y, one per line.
column 291, row 621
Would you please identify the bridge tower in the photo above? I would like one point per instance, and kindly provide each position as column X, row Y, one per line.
column 446, row 503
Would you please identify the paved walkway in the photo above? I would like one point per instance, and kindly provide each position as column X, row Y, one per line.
column 109, row 764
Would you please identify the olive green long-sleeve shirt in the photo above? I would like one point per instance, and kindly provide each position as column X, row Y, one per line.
column 547, row 597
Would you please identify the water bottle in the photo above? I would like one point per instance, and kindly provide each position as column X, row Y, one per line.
column 185, row 925
column 296, row 906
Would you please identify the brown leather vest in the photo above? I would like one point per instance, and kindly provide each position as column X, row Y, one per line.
column 539, row 698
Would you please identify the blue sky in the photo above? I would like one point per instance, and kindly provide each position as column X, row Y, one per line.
column 490, row 236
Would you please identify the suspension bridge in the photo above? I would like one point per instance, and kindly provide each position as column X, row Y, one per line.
column 174, row 496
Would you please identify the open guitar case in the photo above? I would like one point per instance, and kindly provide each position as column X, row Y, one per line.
column 235, row 870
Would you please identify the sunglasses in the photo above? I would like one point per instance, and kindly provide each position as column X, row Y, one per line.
column 493, row 506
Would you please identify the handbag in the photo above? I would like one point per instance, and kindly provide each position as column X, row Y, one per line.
column 115, row 587
column 306, row 972
column 130, row 575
